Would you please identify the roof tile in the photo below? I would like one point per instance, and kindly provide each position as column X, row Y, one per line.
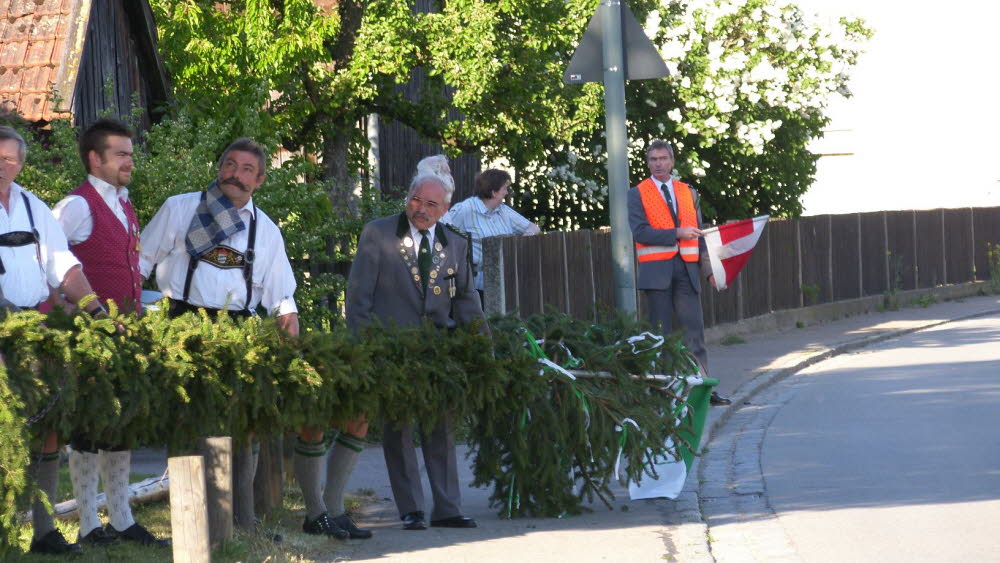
column 33, row 39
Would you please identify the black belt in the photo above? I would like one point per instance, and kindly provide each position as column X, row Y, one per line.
column 178, row 308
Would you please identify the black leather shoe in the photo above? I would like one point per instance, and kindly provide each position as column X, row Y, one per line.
column 137, row 533
column 98, row 537
column 53, row 543
column 323, row 525
column 356, row 533
column 454, row 522
column 414, row 520
column 717, row 400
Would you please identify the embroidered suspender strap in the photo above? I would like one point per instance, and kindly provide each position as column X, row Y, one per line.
column 31, row 221
column 248, row 258
column 22, row 238
column 192, row 264
column 31, row 217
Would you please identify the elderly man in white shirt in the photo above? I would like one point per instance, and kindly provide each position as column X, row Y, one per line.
column 34, row 256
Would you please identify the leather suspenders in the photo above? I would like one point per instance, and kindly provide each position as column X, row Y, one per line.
column 248, row 259
column 23, row 238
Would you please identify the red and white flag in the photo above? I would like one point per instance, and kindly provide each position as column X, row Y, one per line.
column 730, row 246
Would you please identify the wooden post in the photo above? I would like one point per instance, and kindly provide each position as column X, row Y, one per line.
column 244, row 466
column 270, row 478
column 188, row 513
column 218, row 453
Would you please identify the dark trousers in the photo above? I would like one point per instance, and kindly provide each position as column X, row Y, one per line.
column 682, row 299
column 439, row 459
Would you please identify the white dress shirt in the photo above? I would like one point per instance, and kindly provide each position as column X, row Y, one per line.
column 75, row 216
column 418, row 238
column 27, row 282
column 163, row 247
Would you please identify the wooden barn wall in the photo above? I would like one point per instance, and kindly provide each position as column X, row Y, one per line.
column 112, row 57
column 401, row 148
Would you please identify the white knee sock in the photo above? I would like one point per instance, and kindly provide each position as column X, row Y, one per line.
column 84, row 475
column 115, row 470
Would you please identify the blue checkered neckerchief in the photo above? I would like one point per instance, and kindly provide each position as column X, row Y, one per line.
column 215, row 220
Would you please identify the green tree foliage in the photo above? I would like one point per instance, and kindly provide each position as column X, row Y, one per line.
column 748, row 89
column 488, row 72
column 749, row 86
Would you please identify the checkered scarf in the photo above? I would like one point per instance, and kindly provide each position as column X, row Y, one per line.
column 215, row 220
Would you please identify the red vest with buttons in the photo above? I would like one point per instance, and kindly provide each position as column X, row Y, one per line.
column 110, row 256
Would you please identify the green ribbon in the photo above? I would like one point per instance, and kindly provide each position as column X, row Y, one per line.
column 513, row 478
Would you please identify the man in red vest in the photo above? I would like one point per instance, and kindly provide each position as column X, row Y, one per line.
column 103, row 233
column 665, row 220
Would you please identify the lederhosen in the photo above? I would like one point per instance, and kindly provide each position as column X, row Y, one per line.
column 181, row 306
column 15, row 239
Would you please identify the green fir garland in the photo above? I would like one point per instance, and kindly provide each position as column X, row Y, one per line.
column 545, row 441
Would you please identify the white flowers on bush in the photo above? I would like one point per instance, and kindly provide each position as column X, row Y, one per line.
column 744, row 54
column 739, row 71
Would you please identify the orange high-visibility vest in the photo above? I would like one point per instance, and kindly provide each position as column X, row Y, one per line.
column 659, row 217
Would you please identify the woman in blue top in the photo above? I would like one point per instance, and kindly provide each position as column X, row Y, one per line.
column 486, row 215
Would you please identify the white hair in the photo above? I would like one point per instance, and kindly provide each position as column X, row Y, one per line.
column 437, row 165
column 423, row 178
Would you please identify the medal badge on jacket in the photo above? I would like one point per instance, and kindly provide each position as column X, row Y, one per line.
column 408, row 254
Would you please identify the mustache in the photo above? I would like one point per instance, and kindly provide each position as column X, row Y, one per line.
column 234, row 181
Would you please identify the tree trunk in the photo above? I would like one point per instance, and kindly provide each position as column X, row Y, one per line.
column 336, row 144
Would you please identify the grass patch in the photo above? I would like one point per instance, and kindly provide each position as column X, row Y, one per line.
column 731, row 340
column 924, row 301
column 810, row 293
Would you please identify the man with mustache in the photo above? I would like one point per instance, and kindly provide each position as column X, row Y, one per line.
column 408, row 268
column 215, row 250
column 103, row 233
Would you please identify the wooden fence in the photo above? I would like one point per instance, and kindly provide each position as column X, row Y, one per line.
column 796, row 263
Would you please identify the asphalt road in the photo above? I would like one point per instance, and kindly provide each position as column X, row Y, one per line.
column 891, row 453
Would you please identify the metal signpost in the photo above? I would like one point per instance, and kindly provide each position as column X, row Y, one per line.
column 615, row 48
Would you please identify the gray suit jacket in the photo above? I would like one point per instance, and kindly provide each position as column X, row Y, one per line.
column 657, row 274
column 381, row 287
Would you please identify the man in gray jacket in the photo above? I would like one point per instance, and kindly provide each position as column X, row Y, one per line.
column 665, row 219
column 408, row 267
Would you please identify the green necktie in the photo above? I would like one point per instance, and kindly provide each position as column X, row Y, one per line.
column 424, row 258
column 666, row 196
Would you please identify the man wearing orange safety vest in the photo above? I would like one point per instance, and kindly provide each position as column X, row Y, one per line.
column 664, row 217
